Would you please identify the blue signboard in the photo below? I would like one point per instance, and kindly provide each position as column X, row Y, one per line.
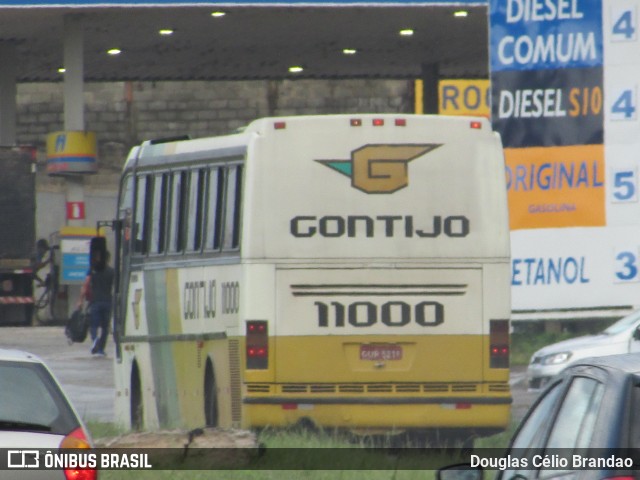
column 544, row 108
column 545, row 34
column 178, row 3
column 74, row 267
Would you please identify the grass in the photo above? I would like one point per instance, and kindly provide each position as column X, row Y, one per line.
column 400, row 464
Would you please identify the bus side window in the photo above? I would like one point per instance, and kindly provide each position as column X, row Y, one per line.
column 214, row 208
column 196, row 204
column 179, row 186
column 143, row 213
column 160, row 213
column 232, row 211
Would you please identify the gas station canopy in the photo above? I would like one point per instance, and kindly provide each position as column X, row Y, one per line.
column 187, row 42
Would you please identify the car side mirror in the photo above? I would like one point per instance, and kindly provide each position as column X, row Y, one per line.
column 460, row 472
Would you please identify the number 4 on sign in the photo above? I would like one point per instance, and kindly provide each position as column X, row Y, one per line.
column 623, row 25
column 624, row 105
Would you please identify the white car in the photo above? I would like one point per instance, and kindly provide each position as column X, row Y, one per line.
column 621, row 337
column 36, row 414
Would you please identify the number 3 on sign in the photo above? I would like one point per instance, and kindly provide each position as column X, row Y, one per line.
column 626, row 267
column 623, row 24
column 624, row 104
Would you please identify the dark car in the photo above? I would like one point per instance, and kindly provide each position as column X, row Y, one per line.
column 584, row 425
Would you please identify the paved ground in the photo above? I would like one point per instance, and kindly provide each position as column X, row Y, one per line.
column 88, row 380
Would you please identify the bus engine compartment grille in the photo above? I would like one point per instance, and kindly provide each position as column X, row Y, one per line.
column 367, row 388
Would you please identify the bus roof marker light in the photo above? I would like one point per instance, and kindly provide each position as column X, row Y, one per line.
column 218, row 14
column 378, row 122
column 349, row 51
column 280, row 125
column 406, row 32
column 166, row 32
column 460, row 13
column 296, row 69
column 114, row 51
column 401, row 122
column 356, row 122
column 476, row 125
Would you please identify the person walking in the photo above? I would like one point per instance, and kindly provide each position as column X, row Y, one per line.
column 101, row 286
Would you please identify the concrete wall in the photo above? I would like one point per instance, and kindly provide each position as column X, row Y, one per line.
column 125, row 113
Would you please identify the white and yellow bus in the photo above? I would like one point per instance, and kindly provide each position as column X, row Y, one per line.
column 349, row 271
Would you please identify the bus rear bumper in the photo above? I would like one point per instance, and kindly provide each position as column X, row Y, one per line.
column 380, row 413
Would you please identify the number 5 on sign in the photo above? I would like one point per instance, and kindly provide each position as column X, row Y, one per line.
column 624, row 104
column 624, row 188
column 623, row 24
column 626, row 266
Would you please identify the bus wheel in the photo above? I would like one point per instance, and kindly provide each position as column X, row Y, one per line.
column 210, row 396
column 136, row 398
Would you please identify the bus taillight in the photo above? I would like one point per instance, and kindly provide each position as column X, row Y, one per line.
column 499, row 344
column 257, row 345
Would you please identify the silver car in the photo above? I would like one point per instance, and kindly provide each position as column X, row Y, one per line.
column 621, row 337
column 36, row 414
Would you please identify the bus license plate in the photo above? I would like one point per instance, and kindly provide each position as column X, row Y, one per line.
column 380, row 352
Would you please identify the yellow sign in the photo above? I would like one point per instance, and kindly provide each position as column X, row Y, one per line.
column 464, row 97
column 552, row 187
column 71, row 152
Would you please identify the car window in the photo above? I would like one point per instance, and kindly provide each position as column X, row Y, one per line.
column 622, row 324
column 635, row 425
column 29, row 396
column 531, row 434
column 576, row 419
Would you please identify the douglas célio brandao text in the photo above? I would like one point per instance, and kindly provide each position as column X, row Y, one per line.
column 551, row 462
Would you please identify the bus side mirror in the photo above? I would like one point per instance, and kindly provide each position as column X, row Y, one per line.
column 98, row 253
column 636, row 334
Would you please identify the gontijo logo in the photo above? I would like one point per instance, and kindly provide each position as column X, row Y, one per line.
column 380, row 168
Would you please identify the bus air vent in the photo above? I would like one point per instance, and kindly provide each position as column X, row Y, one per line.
column 323, row 388
column 351, row 389
column 235, row 382
column 464, row 387
column 294, row 388
column 435, row 387
column 380, row 388
column 258, row 388
column 408, row 388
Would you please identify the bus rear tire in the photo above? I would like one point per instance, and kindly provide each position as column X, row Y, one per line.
column 210, row 396
column 136, row 398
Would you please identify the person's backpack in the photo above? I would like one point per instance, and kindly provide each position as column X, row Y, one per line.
column 77, row 326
